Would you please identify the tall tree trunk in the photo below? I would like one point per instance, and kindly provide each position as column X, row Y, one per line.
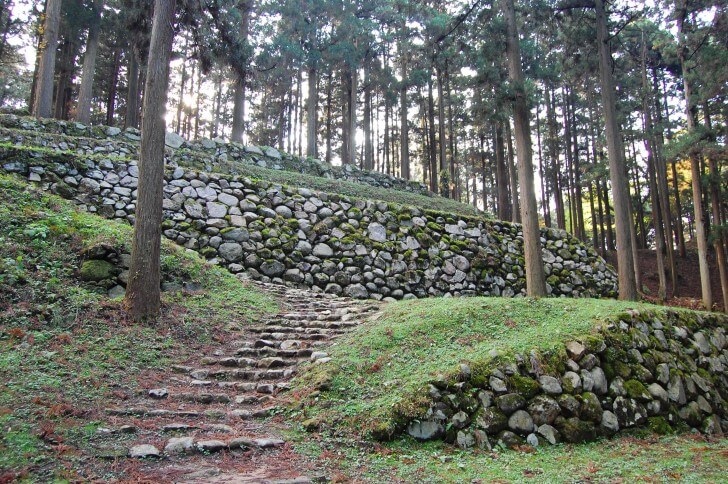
column 244, row 6
column 43, row 93
column 113, row 84
column 64, row 73
column 445, row 187
column 143, row 290
column 627, row 283
column 132, row 96
column 368, row 161
column 85, row 92
column 352, row 114
column 513, row 174
column 578, row 204
column 658, row 164
column 659, row 106
column 404, row 129
column 718, row 221
column 454, row 182
column 329, row 93
column 182, row 82
column 215, row 125
column 554, row 156
column 695, row 169
column 535, row 279
column 434, row 172
column 542, row 174
column 311, row 111
column 501, row 174
column 656, row 216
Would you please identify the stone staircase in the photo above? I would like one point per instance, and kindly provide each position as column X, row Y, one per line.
column 220, row 404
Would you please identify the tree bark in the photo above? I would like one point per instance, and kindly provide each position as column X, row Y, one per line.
column 626, row 269
column 143, row 297
column 311, row 111
column 695, row 169
column 513, row 174
column 245, row 6
column 404, row 129
column 83, row 110
column 718, row 221
column 501, row 174
column 113, row 83
column 434, row 172
column 535, row 279
column 132, row 95
column 43, row 94
column 445, row 186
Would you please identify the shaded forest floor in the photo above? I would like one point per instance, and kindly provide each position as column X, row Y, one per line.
column 688, row 287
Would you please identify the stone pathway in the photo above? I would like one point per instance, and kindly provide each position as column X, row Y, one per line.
column 218, row 406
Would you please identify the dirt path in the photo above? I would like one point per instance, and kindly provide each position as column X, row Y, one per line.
column 214, row 418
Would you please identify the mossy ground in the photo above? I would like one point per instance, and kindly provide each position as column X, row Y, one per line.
column 66, row 349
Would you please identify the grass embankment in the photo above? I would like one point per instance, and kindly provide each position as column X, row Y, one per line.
column 194, row 159
column 382, row 369
column 379, row 372
column 66, row 349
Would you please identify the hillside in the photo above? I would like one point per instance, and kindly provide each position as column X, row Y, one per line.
column 75, row 374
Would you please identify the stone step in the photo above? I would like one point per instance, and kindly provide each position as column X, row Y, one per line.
column 313, row 324
column 282, row 353
column 300, row 336
column 240, row 375
column 180, row 446
column 296, row 329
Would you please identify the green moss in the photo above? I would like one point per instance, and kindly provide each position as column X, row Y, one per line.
column 434, row 227
column 97, row 270
column 659, row 425
column 636, row 390
column 523, row 385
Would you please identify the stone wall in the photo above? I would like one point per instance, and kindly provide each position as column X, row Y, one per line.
column 665, row 372
column 207, row 155
column 360, row 248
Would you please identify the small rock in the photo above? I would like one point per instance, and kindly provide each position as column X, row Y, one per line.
column 426, row 430
column 549, row 433
column 179, row 445
column 268, row 443
column 575, row 350
column 550, row 385
column 211, row 445
column 143, row 451
column 159, row 393
column 521, row 422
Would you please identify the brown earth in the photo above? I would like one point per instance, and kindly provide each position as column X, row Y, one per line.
column 688, row 279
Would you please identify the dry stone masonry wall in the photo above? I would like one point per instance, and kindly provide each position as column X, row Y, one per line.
column 206, row 155
column 664, row 372
column 329, row 242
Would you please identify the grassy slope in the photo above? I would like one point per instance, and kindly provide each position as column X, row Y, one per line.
column 380, row 365
column 67, row 351
column 639, row 457
column 289, row 178
column 384, row 365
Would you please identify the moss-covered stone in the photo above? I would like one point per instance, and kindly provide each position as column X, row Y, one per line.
column 659, row 425
column 576, row 431
column 97, row 270
column 523, row 385
column 637, row 390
